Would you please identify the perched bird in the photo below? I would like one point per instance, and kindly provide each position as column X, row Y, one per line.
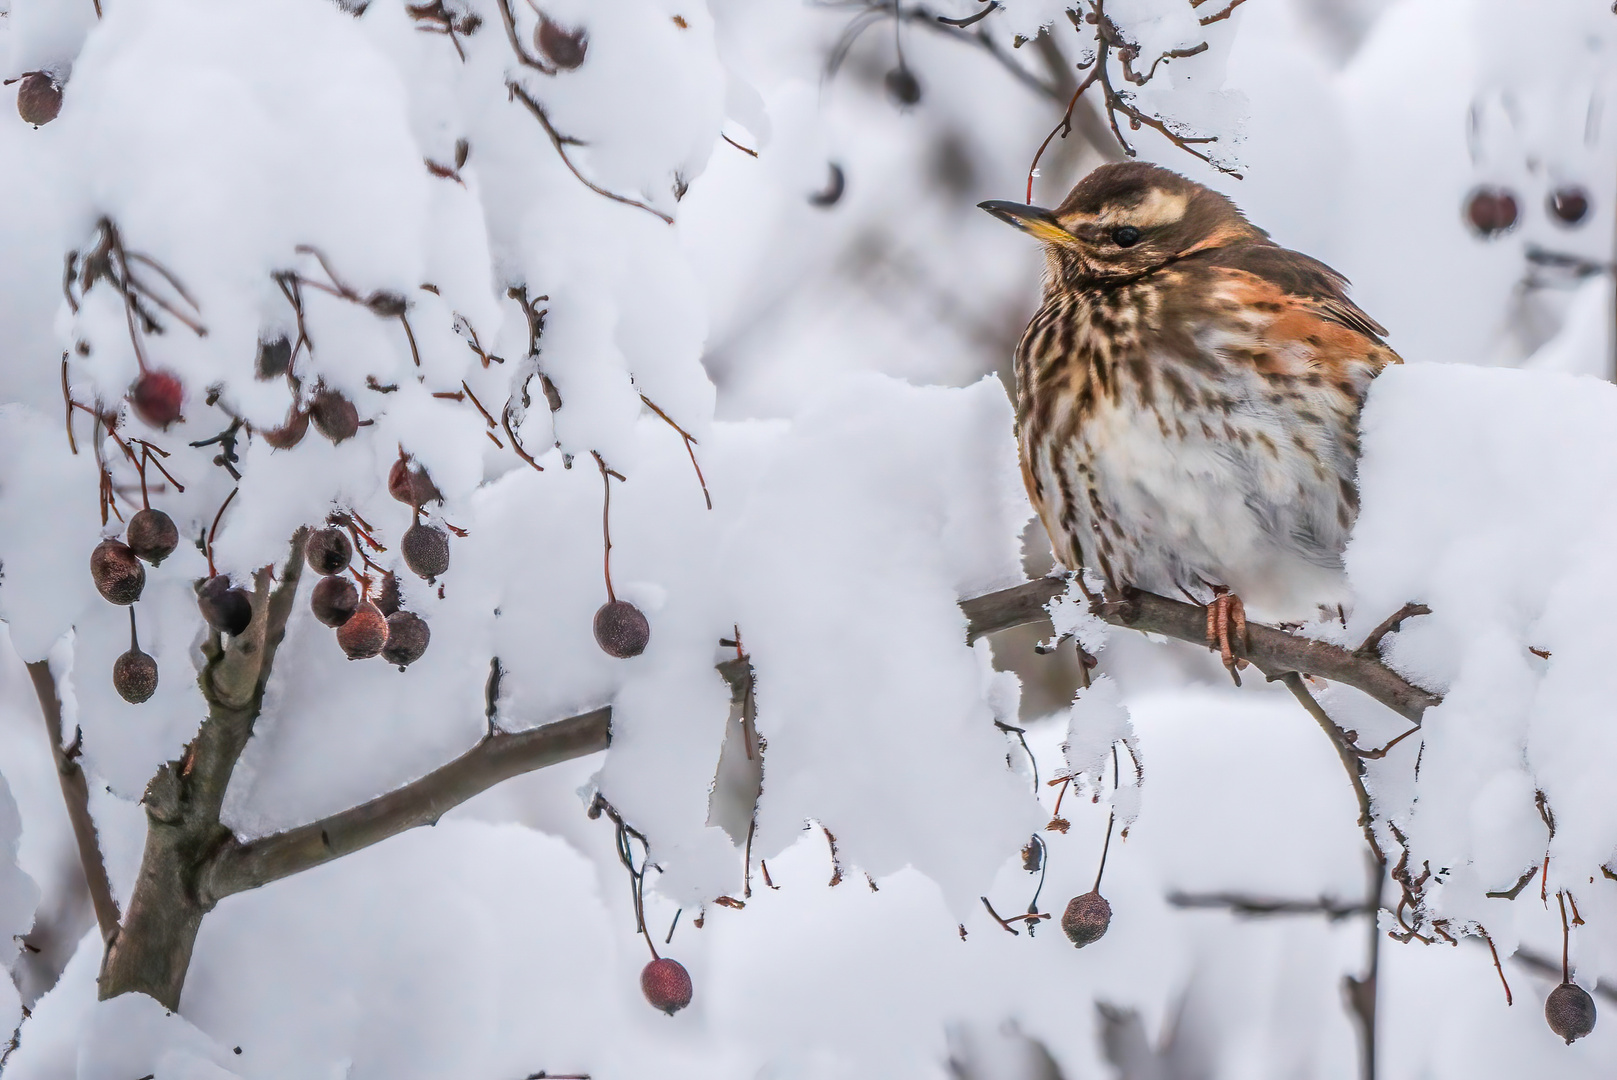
column 1188, row 399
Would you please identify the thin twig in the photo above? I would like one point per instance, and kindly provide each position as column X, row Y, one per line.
column 560, row 142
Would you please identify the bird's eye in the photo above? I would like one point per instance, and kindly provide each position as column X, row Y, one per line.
column 1125, row 236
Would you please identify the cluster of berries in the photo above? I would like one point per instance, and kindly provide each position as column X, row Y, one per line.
column 1493, row 211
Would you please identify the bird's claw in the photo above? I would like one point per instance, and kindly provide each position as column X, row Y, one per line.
column 1226, row 613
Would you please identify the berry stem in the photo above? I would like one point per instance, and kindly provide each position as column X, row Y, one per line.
column 606, row 525
column 134, row 637
column 1566, row 935
column 212, row 531
column 1111, row 819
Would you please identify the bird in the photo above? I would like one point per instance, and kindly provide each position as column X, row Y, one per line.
column 1188, row 398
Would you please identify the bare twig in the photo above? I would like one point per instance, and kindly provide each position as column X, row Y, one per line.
column 560, row 142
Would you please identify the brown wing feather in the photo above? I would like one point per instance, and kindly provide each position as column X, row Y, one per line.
column 1300, row 276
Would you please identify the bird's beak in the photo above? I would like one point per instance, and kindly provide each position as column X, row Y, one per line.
column 1030, row 219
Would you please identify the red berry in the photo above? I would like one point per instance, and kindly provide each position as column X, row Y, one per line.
column 152, row 535
column 1570, row 1011
column 117, row 572
column 1569, row 204
column 157, row 397
column 329, row 551
column 407, row 638
column 134, row 676
column 564, row 47
column 334, row 600
column 334, row 416
column 425, row 550
column 1491, row 211
column 365, row 632
column 1086, row 919
column 411, row 485
column 666, row 984
column 621, row 629
column 39, row 99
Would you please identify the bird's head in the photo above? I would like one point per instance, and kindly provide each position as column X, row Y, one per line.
column 1128, row 219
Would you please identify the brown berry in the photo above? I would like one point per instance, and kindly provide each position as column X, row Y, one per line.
column 565, row 48
column 407, row 637
column 328, row 550
column 290, row 433
column 1086, row 919
column 274, row 358
column 134, row 676
column 226, row 609
column 152, row 535
column 425, row 550
column 1570, row 1011
column 902, row 86
column 157, row 397
column 387, row 597
column 621, row 630
column 1491, row 211
column 334, row 416
column 411, row 485
column 117, row 572
column 365, row 633
column 666, row 984
column 1569, row 205
column 39, row 99
column 386, row 305
column 334, row 600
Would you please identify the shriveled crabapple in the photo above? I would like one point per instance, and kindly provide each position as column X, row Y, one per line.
column 334, row 416
column 407, row 638
column 39, row 99
column 1086, row 919
column 226, row 609
column 1491, row 211
column 290, row 433
column 563, row 47
column 621, row 629
column 1570, row 1011
column 157, row 397
column 411, row 484
column 152, row 535
column 328, row 550
column 118, row 575
column 334, row 600
column 134, row 674
column 666, row 984
column 365, row 633
column 426, row 550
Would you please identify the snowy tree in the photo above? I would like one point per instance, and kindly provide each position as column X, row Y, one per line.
column 572, row 427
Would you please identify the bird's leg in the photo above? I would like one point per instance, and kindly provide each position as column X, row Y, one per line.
column 1224, row 613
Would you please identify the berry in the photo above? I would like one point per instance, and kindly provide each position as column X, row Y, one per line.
column 134, row 676
column 328, row 550
column 1086, row 919
column 666, row 984
column 902, row 86
column 426, row 550
column 386, row 305
column 1570, row 1011
column 334, row 416
column 157, row 396
column 290, row 433
column 274, row 357
column 227, row 610
column 411, row 485
column 1491, row 211
column 1569, row 205
column 407, row 637
column 388, row 599
column 152, row 535
column 621, row 630
column 334, row 600
column 117, row 573
column 39, row 99
column 565, row 48
column 365, row 632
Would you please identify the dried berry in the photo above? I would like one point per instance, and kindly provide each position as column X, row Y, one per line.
column 328, row 550
column 407, row 638
column 134, row 676
column 274, row 358
column 117, row 572
column 902, row 85
column 387, row 597
column 387, row 305
column 1570, row 1011
column 334, row 416
column 334, row 600
column 1569, row 205
column 157, row 397
column 411, row 485
column 39, row 99
column 1491, row 211
column 1086, row 919
column 226, row 609
column 666, row 984
column 565, row 48
column 425, row 550
column 290, row 433
column 365, row 632
column 152, row 535
column 621, row 630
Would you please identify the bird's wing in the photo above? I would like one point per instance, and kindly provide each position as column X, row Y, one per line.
column 1303, row 279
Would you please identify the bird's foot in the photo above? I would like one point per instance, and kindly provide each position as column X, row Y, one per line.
column 1225, row 614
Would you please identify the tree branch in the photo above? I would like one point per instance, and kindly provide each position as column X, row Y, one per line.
column 76, row 794
column 239, row 866
column 1242, row 904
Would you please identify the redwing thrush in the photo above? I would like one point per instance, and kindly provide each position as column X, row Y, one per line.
column 1188, row 398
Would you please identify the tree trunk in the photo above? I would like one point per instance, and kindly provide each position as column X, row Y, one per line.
column 152, row 951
